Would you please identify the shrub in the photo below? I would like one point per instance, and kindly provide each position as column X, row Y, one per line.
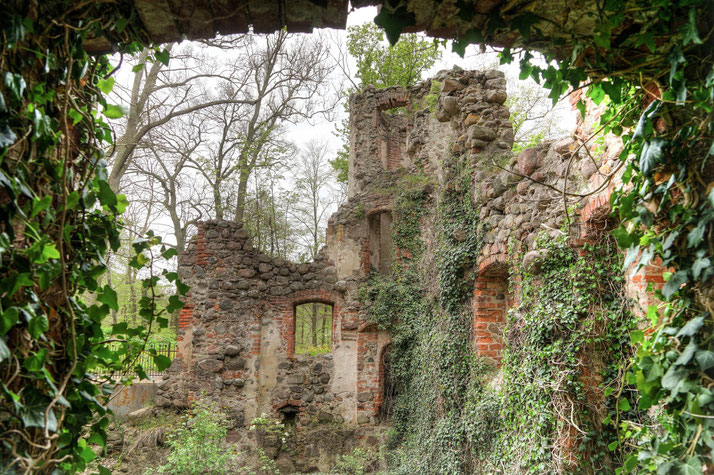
column 196, row 445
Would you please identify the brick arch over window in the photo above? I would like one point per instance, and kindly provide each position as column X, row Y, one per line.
column 286, row 307
column 490, row 306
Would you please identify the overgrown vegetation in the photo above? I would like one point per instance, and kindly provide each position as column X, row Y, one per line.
column 60, row 220
column 196, row 446
column 652, row 61
column 567, row 343
column 428, row 319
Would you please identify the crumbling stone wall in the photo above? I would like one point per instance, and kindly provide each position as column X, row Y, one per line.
column 237, row 340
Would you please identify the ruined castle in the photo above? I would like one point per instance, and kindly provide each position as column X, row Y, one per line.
column 237, row 330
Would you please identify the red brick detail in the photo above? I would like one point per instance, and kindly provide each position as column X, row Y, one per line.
column 201, row 251
column 186, row 316
column 368, row 368
column 490, row 305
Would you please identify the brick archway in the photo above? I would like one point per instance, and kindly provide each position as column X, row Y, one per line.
column 490, row 304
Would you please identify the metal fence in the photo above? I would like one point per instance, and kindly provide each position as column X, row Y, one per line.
column 146, row 359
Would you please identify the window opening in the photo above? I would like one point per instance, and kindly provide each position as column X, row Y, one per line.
column 288, row 416
column 380, row 242
column 313, row 328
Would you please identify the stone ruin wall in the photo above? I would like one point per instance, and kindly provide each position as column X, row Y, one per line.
column 237, row 329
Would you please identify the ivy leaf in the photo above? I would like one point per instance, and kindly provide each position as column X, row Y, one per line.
column 38, row 325
column 393, row 24
column 689, row 30
column 699, row 265
column 4, row 350
column 696, row 235
column 16, row 83
column 651, row 155
column 162, row 362
column 472, row 36
column 705, row 359
column 596, row 93
column 673, row 376
column 115, row 111
column 175, row 303
column 687, row 354
column 109, row 297
column 106, row 195
column 637, row 336
column 524, row 23
column 75, row 115
column 137, row 68
column 182, row 288
column 674, row 283
column 34, row 416
column 624, row 405
column 106, row 85
column 692, row 327
column 632, row 253
column 9, row 318
column 163, row 56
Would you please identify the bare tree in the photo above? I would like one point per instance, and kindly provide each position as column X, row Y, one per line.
column 316, row 196
column 159, row 93
column 286, row 78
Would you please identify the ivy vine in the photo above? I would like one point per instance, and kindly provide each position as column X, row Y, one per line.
column 60, row 218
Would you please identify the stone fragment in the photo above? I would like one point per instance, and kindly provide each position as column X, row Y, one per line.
column 362, row 419
column 494, row 73
column 564, row 145
column 496, row 96
column 460, row 235
column 236, row 363
column 246, row 273
column 527, row 161
column 263, row 268
column 450, row 85
column 522, row 187
column 471, row 119
column 533, row 260
column 210, row 365
column 450, row 105
column 232, row 350
column 365, row 396
column 476, row 132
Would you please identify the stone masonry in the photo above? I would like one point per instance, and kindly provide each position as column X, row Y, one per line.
column 237, row 336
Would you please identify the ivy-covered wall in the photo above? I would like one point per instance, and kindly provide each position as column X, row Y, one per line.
column 509, row 313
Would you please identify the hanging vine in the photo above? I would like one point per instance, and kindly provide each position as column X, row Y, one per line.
column 60, row 218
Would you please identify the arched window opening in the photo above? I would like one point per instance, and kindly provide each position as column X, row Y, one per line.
column 313, row 328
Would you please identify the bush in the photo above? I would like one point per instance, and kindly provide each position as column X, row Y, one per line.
column 196, row 445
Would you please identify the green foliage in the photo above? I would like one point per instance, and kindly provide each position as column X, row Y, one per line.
column 573, row 309
column 313, row 328
column 382, row 65
column 357, row 463
column 433, row 364
column 60, row 220
column 196, row 445
column 666, row 203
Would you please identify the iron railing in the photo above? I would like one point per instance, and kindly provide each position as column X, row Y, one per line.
column 146, row 359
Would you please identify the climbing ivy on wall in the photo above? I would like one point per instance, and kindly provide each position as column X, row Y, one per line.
column 60, row 218
column 653, row 63
column 428, row 318
column 567, row 340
